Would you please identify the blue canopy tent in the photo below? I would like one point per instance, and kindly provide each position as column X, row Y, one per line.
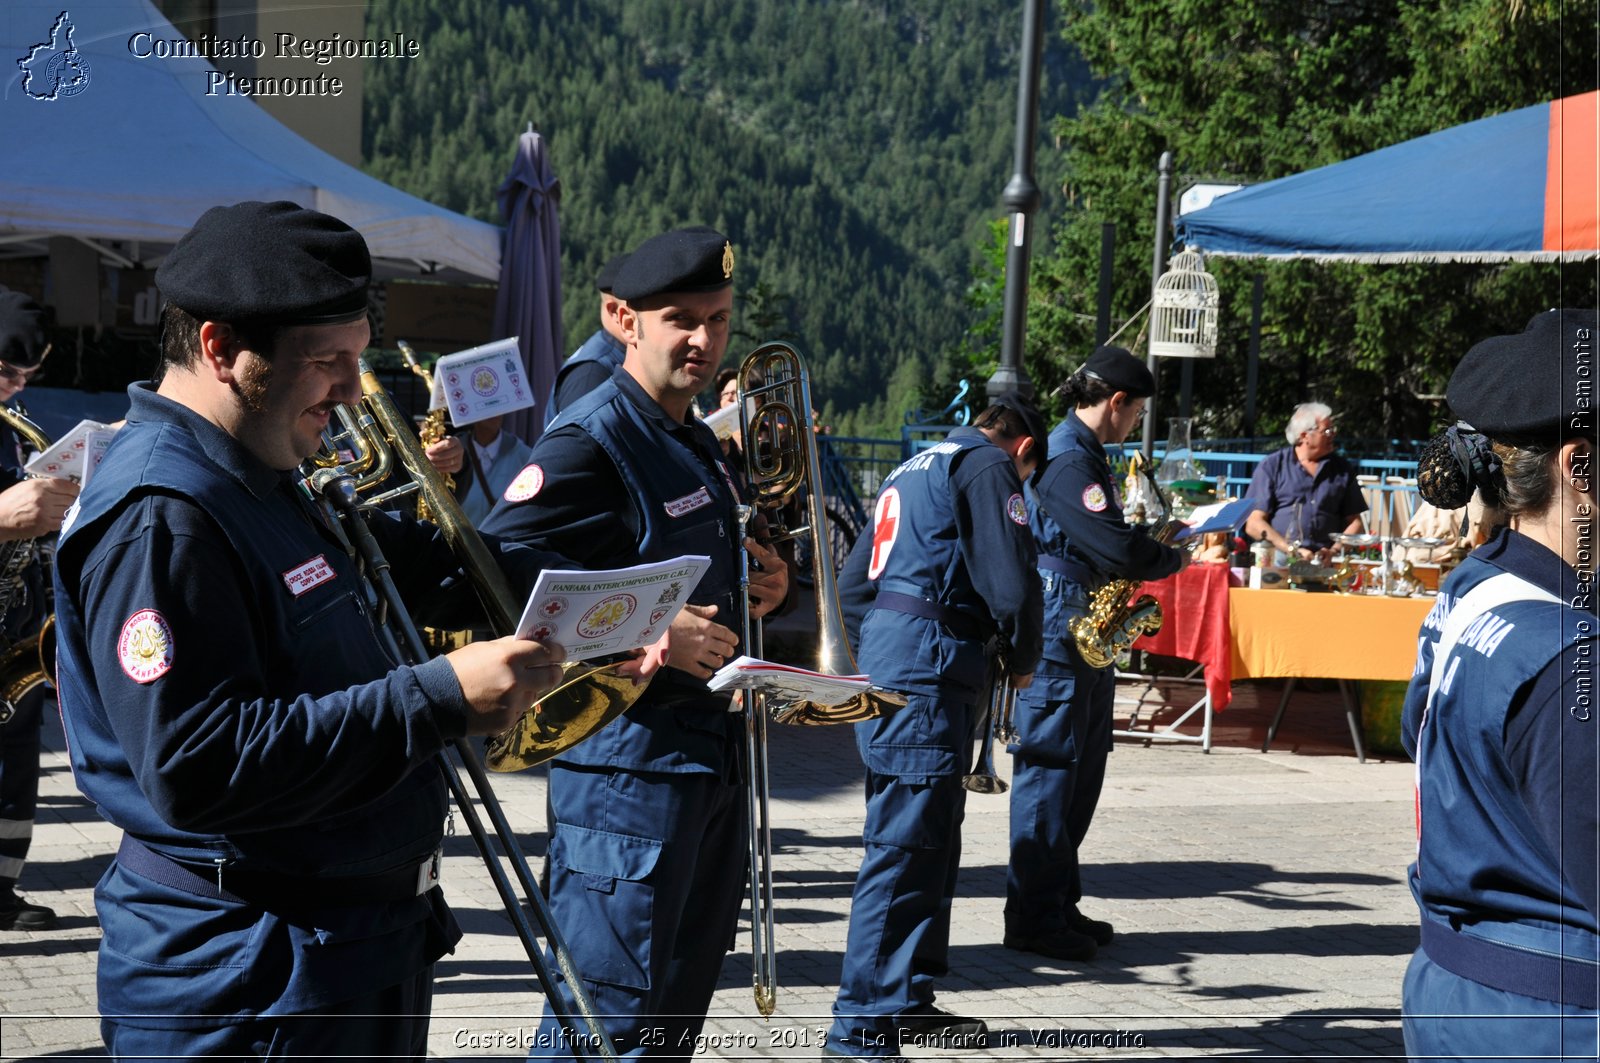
column 1519, row 186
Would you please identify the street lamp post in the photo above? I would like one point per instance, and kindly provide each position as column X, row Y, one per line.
column 1021, row 198
column 1163, row 227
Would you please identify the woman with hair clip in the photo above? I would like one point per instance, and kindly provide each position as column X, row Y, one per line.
column 1063, row 720
column 1501, row 716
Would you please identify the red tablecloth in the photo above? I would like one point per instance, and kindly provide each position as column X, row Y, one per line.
column 1195, row 626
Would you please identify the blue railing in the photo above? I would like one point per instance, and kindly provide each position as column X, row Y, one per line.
column 869, row 460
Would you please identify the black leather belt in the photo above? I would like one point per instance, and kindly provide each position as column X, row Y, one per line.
column 961, row 625
column 268, row 889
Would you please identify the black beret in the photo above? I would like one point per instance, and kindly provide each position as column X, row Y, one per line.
column 21, row 338
column 607, row 277
column 272, row 262
column 1537, row 382
column 697, row 259
column 1037, row 428
column 1121, row 370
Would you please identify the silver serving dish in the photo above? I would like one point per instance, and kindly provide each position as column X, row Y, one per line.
column 1420, row 542
column 1358, row 541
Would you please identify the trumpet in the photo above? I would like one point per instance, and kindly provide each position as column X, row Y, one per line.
column 373, row 434
column 998, row 723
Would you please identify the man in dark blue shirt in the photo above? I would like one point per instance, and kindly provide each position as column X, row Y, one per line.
column 1306, row 492
column 648, row 816
column 227, row 700
column 945, row 580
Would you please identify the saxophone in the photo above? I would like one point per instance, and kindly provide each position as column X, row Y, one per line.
column 1115, row 619
column 431, row 431
column 24, row 664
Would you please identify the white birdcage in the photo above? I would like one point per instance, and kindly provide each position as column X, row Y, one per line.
column 1183, row 310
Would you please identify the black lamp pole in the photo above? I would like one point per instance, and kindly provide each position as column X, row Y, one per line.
column 1021, row 198
column 1163, row 228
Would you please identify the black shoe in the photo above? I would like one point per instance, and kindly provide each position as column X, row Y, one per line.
column 1099, row 929
column 931, row 1024
column 1062, row 944
column 20, row 915
column 830, row 1052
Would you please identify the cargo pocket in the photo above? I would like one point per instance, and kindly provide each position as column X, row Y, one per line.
column 603, row 893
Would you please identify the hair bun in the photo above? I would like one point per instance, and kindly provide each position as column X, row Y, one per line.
column 1453, row 464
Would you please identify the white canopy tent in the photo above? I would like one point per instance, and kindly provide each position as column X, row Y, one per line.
column 124, row 153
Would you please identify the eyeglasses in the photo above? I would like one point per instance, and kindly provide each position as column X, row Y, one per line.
column 11, row 372
column 1326, row 431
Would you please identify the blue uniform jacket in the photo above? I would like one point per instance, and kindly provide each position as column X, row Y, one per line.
column 591, row 365
column 227, row 702
column 615, row 482
column 949, row 529
column 1075, row 511
column 1505, row 875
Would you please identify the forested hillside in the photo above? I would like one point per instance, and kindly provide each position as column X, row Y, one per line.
column 854, row 151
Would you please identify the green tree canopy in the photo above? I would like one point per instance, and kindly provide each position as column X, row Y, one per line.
column 1246, row 91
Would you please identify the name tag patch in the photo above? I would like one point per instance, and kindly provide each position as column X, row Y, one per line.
column 688, row 503
column 144, row 648
column 311, row 574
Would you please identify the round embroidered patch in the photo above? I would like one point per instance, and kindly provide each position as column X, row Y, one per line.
column 145, row 646
column 1017, row 509
column 526, row 484
column 1094, row 498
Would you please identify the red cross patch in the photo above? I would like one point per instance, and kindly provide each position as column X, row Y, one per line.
column 885, row 530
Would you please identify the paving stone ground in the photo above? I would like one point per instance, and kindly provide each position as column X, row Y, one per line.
column 1259, row 900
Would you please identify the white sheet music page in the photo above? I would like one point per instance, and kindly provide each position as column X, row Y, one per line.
column 606, row 611
column 787, row 681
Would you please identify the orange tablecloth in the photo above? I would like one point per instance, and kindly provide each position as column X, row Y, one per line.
column 1195, row 625
column 1328, row 636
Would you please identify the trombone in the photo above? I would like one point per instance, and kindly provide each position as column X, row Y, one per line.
column 374, row 434
column 780, row 457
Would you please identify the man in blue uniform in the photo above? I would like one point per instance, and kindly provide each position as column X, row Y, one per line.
column 226, row 699
column 648, row 817
column 29, row 509
column 945, row 580
column 598, row 356
column 1306, row 491
column 1063, row 721
column 1500, row 716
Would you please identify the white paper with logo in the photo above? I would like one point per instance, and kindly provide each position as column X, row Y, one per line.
column 481, row 382
column 592, row 614
column 74, row 455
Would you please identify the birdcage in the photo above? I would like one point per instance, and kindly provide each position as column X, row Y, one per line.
column 1183, row 310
